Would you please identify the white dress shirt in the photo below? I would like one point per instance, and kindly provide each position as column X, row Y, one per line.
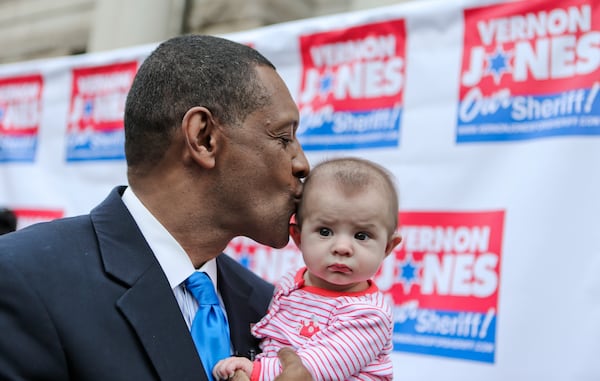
column 173, row 260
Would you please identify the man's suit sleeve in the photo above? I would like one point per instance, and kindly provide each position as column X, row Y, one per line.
column 29, row 345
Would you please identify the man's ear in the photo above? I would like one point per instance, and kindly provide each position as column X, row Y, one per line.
column 198, row 127
column 295, row 233
column 392, row 243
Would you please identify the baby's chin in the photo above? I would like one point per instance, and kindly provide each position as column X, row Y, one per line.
column 347, row 285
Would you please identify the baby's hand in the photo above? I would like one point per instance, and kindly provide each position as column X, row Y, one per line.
column 227, row 367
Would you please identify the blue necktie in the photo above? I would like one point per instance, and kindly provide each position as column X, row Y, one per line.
column 209, row 328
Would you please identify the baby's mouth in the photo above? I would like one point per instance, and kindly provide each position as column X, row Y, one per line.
column 340, row 268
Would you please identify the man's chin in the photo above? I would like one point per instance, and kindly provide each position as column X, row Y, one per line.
column 277, row 237
column 275, row 242
column 279, row 244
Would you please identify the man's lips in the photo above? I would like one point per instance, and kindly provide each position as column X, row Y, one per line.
column 340, row 268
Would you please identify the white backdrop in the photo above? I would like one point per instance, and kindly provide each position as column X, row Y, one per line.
column 486, row 112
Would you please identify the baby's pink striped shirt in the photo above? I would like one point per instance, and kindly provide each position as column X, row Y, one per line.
column 338, row 336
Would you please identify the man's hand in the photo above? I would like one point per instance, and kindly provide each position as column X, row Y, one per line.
column 293, row 370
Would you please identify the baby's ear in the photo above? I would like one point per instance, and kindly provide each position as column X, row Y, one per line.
column 295, row 233
column 392, row 243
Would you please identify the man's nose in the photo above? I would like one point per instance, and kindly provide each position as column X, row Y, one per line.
column 300, row 165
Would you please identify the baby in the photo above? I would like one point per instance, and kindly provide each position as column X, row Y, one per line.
column 330, row 311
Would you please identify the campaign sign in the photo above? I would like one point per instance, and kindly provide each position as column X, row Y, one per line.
column 28, row 216
column 95, row 121
column 446, row 276
column 266, row 262
column 530, row 69
column 20, row 115
column 351, row 92
column 443, row 280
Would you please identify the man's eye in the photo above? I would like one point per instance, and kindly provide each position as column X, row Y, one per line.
column 324, row 232
column 285, row 140
column 361, row 236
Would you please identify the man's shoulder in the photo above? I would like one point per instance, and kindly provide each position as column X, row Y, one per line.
column 59, row 231
column 45, row 238
column 49, row 231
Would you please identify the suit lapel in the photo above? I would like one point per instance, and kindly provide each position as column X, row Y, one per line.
column 164, row 335
column 242, row 304
column 148, row 302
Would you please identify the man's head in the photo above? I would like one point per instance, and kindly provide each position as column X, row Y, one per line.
column 210, row 141
column 184, row 72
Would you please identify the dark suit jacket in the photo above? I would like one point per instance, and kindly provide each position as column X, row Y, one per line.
column 84, row 298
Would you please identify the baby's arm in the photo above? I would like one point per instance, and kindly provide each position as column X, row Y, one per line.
column 227, row 367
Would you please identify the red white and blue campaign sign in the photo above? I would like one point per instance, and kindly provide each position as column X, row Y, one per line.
column 352, row 87
column 26, row 217
column 95, row 122
column 447, row 275
column 443, row 279
column 530, row 69
column 486, row 113
column 20, row 116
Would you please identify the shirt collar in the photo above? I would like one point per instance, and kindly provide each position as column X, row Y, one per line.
column 173, row 260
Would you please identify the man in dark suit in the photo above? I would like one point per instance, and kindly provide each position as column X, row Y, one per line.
column 211, row 154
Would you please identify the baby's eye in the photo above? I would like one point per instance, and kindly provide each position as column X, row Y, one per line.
column 361, row 236
column 324, row 232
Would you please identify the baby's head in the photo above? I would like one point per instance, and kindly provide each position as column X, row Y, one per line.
column 346, row 223
column 351, row 176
